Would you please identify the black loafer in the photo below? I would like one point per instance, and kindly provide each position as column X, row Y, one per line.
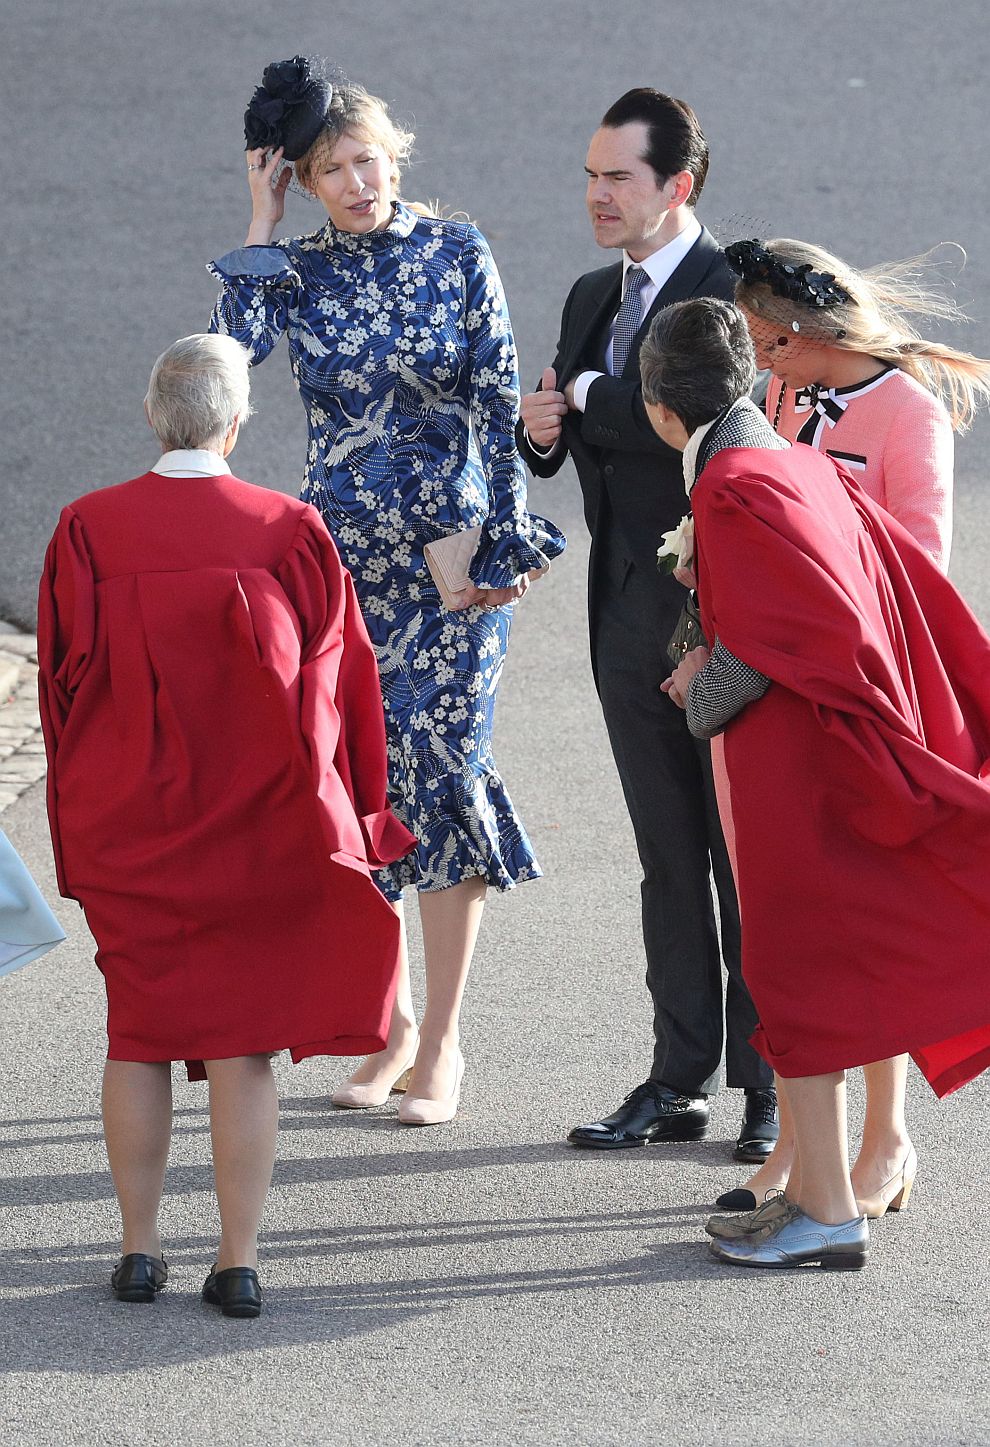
column 235, row 1291
column 760, row 1126
column 137, row 1277
column 650, row 1113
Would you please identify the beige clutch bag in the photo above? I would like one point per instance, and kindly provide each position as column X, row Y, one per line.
column 448, row 560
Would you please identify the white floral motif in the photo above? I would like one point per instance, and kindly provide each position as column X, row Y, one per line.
column 401, row 347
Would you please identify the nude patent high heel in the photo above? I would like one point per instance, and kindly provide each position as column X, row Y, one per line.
column 894, row 1194
column 351, row 1096
column 420, row 1110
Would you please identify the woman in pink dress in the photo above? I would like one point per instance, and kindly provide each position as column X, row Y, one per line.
column 867, row 390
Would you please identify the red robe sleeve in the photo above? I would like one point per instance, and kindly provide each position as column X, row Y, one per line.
column 805, row 579
column 66, row 629
column 341, row 702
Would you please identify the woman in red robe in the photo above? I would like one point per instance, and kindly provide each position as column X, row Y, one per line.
column 858, row 380
column 853, row 686
column 216, row 793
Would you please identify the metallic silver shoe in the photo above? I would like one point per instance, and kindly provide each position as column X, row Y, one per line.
column 749, row 1223
column 797, row 1240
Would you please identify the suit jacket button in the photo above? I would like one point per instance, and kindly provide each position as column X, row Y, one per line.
column 608, row 470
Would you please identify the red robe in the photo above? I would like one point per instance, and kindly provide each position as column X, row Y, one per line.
column 216, row 787
column 860, row 781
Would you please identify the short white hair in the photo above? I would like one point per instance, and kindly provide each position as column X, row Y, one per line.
column 198, row 386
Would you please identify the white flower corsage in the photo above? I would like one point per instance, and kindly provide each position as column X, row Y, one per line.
column 677, row 548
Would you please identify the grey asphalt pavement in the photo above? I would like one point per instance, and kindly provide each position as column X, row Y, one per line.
column 479, row 1283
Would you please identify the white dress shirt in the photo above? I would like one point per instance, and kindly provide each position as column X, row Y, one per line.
column 659, row 266
column 191, row 462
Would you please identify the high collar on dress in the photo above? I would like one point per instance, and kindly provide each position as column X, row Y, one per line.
column 360, row 243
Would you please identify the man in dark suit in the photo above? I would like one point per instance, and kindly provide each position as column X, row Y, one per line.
column 646, row 166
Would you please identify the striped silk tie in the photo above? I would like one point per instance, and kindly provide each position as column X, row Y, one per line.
column 628, row 319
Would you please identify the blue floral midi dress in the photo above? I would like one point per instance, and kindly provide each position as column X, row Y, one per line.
column 401, row 347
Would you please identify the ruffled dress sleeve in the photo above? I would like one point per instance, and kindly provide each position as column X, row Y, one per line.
column 66, row 635
column 259, row 286
column 514, row 540
column 341, row 703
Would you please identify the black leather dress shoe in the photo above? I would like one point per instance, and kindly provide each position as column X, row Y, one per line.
column 650, row 1113
column 760, row 1126
column 137, row 1277
column 235, row 1291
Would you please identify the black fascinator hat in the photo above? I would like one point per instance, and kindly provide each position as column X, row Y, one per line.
column 757, row 265
column 289, row 107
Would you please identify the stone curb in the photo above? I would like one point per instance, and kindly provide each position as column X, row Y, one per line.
column 22, row 748
column 9, row 670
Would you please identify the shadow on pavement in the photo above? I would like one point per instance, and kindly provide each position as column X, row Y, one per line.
column 80, row 1328
column 180, row 1180
column 83, row 1136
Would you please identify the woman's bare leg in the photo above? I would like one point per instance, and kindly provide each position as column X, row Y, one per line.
column 243, row 1128
column 818, row 1110
column 885, row 1136
column 451, row 920
column 137, row 1126
column 386, row 1064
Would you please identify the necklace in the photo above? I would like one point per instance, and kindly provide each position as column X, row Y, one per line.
column 780, row 404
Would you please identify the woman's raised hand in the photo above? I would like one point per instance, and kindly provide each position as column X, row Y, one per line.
column 267, row 199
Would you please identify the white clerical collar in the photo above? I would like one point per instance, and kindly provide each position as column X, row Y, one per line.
column 689, row 457
column 191, row 462
column 661, row 264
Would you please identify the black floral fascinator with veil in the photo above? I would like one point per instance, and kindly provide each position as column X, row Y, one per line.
column 756, row 265
column 290, row 106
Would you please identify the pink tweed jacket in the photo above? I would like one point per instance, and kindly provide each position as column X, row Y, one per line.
column 893, row 435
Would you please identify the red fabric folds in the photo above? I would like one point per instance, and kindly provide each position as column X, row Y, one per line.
column 212, row 713
column 860, row 781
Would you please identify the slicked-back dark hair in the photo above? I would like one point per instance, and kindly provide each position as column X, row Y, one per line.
column 675, row 140
column 697, row 359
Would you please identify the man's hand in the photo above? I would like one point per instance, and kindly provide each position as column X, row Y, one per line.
column 676, row 686
column 542, row 411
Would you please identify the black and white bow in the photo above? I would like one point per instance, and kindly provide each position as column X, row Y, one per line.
column 823, row 401
column 826, row 408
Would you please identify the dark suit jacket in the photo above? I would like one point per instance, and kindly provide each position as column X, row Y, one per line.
column 632, row 481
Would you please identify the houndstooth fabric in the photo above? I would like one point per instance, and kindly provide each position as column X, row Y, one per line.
column 723, row 687
column 744, row 425
column 628, row 319
column 726, row 685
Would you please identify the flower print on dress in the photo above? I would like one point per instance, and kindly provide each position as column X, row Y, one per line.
column 402, row 351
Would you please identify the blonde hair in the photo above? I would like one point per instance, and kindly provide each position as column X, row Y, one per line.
column 875, row 321
column 355, row 112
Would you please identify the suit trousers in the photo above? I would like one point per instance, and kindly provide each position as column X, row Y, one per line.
column 667, row 781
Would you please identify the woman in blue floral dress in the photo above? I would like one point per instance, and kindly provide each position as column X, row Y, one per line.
column 400, row 344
